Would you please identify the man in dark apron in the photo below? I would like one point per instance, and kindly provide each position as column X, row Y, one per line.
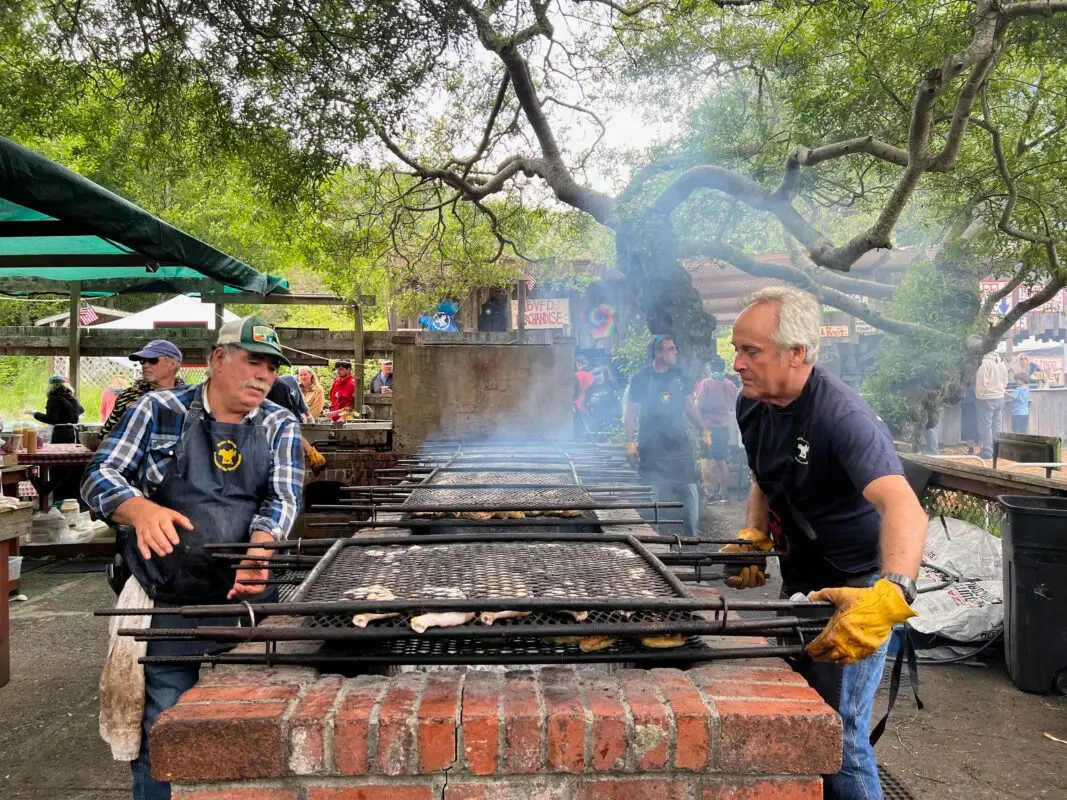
column 829, row 492
column 193, row 465
column 659, row 399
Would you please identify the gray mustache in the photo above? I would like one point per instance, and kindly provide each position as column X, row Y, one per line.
column 254, row 383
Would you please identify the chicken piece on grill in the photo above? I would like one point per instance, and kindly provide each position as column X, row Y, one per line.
column 374, row 592
column 440, row 619
column 594, row 644
column 563, row 640
column 569, row 513
column 489, row 617
column 663, row 641
column 579, row 616
column 475, row 515
column 514, row 515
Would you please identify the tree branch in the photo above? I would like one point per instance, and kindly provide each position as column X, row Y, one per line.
column 996, row 332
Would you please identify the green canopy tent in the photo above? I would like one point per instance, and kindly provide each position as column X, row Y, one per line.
column 63, row 234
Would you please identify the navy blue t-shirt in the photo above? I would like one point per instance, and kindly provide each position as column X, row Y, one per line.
column 661, row 437
column 838, row 445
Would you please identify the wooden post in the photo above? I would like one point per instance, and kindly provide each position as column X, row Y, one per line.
column 75, row 333
column 357, row 363
column 219, row 307
column 521, row 315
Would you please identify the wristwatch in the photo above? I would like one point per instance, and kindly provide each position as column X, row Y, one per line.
column 906, row 584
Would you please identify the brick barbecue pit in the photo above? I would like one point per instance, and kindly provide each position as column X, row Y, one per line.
column 729, row 729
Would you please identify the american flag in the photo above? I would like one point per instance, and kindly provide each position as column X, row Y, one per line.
column 530, row 282
column 87, row 315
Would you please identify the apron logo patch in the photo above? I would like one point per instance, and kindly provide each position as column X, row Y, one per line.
column 226, row 456
column 801, row 454
column 665, row 398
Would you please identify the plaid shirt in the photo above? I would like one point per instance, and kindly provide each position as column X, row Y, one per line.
column 136, row 458
column 124, row 402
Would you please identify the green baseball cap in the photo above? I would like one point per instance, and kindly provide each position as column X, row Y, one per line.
column 253, row 334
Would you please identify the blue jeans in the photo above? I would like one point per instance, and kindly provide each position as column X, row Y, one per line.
column 858, row 778
column 163, row 685
column 687, row 494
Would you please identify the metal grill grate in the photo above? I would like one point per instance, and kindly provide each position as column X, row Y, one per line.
column 893, row 788
column 532, row 647
column 510, row 626
column 490, row 569
column 488, row 499
column 446, row 478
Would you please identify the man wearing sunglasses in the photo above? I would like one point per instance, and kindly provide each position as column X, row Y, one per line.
column 160, row 361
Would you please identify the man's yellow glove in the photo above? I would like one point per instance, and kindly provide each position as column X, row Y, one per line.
column 316, row 460
column 752, row 575
column 705, row 438
column 863, row 621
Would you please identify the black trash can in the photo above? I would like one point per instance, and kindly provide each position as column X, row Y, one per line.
column 1034, row 542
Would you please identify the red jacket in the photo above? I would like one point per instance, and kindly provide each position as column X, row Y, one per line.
column 343, row 393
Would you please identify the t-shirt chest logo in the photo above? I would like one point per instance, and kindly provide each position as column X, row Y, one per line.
column 665, row 398
column 800, row 454
column 226, row 456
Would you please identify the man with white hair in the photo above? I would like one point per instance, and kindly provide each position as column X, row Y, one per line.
column 188, row 466
column 830, row 494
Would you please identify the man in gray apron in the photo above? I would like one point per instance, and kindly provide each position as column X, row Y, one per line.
column 192, row 465
column 830, row 494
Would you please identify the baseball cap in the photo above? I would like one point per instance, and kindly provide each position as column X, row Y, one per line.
column 158, row 348
column 254, row 335
column 57, row 379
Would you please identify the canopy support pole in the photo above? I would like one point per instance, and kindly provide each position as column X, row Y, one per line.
column 357, row 363
column 75, row 333
column 520, row 297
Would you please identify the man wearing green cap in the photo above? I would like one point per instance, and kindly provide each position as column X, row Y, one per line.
column 214, row 463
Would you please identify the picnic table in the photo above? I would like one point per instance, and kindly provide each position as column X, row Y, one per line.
column 967, row 476
column 48, row 458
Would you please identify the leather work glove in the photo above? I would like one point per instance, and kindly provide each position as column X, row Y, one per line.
column 862, row 622
column 631, row 453
column 705, row 438
column 752, row 575
column 316, row 460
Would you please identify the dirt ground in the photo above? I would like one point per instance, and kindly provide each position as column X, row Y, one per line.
column 978, row 739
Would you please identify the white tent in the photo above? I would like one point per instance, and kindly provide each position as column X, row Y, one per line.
column 180, row 310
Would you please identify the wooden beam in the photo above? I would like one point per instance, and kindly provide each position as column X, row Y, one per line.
column 247, row 298
column 195, row 343
column 75, row 335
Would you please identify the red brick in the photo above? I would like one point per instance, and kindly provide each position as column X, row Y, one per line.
column 522, row 723
column 608, row 733
column 785, row 737
column 734, row 788
column 770, row 673
column 532, row 787
column 438, row 718
column 219, row 742
column 192, row 793
column 308, row 725
column 692, row 719
column 763, row 691
column 481, row 721
column 240, row 694
column 634, row 789
column 397, row 741
column 564, row 720
column 653, row 729
column 352, row 729
column 384, row 791
column 230, row 675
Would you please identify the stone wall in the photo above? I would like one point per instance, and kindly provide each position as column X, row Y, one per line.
column 480, row 391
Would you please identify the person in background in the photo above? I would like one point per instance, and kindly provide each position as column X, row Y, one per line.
column 969, row 420
column 583, row 379
column 602, row 400
column 160, row 361
column 382, row 383
column 342, row 392
column 107, row 400
column 286, row 393
column 990, row 385
column 659, row 400
column 1024, row 364
column 311, row 389
column 1020, row 403
column 932, row 418
column 716, row 398
column 61, row 411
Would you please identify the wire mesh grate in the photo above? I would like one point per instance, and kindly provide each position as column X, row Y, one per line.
column 892, row 787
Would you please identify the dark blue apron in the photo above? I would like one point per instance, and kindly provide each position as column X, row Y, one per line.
column 218, row 480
